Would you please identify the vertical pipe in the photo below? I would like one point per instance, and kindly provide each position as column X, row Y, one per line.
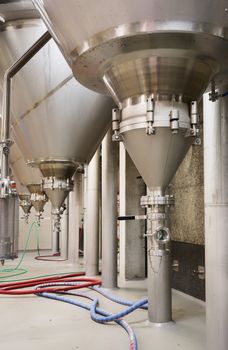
column 92, row 229
column 74, row 220
column 64, row 234
column 55, row 232
column 84, row 184
column 9, row 74
column 159, row 269
column 216, row 219
column 109, row 212
column 122, row 211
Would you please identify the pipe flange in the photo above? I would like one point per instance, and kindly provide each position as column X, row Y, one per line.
column 156, row 216
column 149, row 201
column 55, row 183
column 158, row 252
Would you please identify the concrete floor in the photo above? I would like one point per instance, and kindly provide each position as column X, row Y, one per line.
column 36, row 323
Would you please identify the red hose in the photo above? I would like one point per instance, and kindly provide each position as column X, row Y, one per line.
column 11, row 288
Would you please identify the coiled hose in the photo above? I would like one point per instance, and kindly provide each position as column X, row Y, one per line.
column 116, row 299
column 98, row 315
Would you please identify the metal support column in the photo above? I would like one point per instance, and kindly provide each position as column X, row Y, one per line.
column 109, row 212
column 64, row 235
column 92, row 228
column 216, row 219
column 74, row 219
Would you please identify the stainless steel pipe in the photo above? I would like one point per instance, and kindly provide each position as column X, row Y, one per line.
column 64, row 235
column 109, row 212
column 159, row 262
column 92, row 228
column 216, row 219
column 55, row 219
column 11, row 71
column 74, row 219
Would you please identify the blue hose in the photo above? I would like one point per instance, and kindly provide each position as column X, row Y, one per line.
column 113, row 317
column 103, row 313
column 116, row 299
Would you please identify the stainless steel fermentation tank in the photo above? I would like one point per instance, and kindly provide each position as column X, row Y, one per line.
column 28, row 184
column 25, row 178
column 155, row 58
column 57, row 123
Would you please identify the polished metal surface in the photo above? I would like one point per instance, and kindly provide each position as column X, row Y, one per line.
column 158, row 257
column 56, row 190
column 9, row 226
column 156, row 156
column 11, row 9
column 22, row 172
column 25, row 202
column 109, row 210
column 38, row 198
column 216, row 219
column 53, row 116
column 92, row 217
column 26, row 205
column 141, row 47
column 58, row 169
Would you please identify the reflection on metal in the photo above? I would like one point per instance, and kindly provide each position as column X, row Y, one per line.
column 109, row 210
column 26, row 205
column 6, row 141
column 38, row 199
column 147, row 47
column 9, row 225
column 159, row 257
column 54, row 118
column 28, row 181
column 155, row 59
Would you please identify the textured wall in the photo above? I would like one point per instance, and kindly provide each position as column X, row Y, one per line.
column 187, row 216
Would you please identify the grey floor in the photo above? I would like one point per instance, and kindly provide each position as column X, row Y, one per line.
column 34, row 323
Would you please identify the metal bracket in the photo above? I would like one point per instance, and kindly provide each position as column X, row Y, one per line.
column 156, row 200
column 200, row 272
column 174, row 120
column 150, row 130
column 116, row 116
column 213, row 95
column 175, row 265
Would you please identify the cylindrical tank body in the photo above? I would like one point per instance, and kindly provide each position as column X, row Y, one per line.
column 56, row 122
column 135, row 47
column 9, row 208
column 54, row 118
column 24, row 174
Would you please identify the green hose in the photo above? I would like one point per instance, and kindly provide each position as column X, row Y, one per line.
column 19, row 271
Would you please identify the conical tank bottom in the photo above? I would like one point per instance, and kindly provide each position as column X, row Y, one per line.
column 59, row 169
column 57, row 197
column 25, row 202
column 157, row 157
column 26, row 208
column 38, row 205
